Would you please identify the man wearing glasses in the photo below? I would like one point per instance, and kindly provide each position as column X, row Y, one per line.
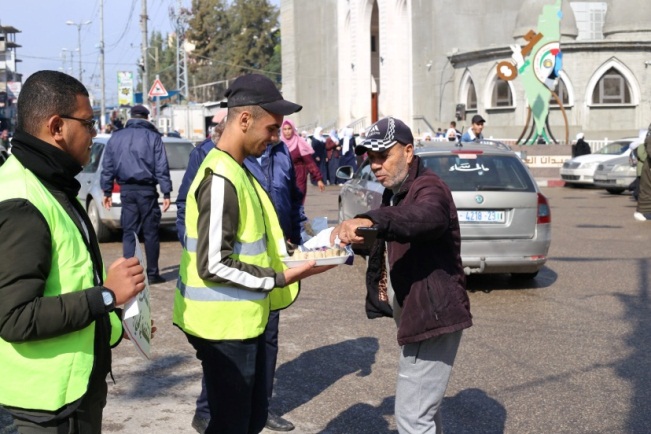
column 135, row 158
column 57, row 319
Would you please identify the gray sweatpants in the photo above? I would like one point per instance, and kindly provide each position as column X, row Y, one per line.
column 423, row 373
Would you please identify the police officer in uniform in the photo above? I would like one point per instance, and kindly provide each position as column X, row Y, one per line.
column 135, row 158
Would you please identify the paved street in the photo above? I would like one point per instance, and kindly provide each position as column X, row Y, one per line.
column 570, row 353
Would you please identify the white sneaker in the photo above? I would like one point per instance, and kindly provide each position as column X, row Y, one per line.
column 639, row 216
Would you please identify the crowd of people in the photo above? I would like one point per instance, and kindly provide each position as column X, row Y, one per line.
column 240, row 211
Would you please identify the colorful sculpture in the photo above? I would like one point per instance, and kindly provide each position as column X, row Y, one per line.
column 538, row 64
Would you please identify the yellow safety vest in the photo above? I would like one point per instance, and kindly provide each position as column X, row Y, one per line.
column 49, row 373
column 218, row 311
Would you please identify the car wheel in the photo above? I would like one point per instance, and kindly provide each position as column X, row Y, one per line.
column 524, row 276
column 102, row 232
column 615, row 190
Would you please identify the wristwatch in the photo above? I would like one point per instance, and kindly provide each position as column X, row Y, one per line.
column 109, row 298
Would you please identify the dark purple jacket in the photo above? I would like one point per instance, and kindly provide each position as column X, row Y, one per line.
column 424, row 242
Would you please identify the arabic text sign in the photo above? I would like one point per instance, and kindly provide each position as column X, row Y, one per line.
column 546, row 160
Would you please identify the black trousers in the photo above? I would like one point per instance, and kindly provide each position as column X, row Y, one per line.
column 86, row 419
column 271, row 355
column 234, row 373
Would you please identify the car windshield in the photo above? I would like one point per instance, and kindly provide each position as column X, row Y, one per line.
column 615, row 148
column 95, row 154
column 178, row 154
column 481, row 172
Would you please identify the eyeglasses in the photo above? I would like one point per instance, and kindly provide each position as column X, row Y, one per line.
column 88, row 123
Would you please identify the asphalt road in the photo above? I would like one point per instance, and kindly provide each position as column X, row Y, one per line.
column 568, row 353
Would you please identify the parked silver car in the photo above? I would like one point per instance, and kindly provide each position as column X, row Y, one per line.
column 505, row 220
column 90, row 195
column 615, row 175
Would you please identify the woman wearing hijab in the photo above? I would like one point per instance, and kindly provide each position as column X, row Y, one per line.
column 333, row 152
column 301, row 154
column 348, row 157
column 318, row 145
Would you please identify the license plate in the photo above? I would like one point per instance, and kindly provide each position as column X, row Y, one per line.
column 482, row 216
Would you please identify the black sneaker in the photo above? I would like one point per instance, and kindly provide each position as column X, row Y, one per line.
column 277, row 423
column 200, row 424
column 156, row 279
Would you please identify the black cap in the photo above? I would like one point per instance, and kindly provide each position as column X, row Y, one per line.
column 477, row 119
column 256, row 89
column 139, row 110
column 384, row 134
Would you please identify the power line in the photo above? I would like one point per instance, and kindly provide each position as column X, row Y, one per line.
column 126, row 28
column 236, row 65
column 58, row 59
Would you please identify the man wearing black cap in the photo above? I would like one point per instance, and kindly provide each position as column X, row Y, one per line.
column 231, row 275
column 135, row 158
column 474, row 132
column 414, row 271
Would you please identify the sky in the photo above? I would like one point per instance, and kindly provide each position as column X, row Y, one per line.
column 44, row 35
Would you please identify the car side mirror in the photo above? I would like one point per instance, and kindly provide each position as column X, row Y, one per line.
column 345, row 172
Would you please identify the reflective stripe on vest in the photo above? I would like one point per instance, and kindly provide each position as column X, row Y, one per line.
column 249, row 249
column 47, row 374
column 217, row 293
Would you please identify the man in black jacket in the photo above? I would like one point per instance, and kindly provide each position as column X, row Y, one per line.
column 414, row 271
column 56, row 308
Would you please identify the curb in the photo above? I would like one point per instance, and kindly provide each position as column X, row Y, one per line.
column 550, row 182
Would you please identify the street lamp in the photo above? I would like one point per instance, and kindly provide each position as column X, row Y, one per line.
column 78, row 25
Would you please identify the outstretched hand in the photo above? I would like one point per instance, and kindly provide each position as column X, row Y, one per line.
column 346, row 231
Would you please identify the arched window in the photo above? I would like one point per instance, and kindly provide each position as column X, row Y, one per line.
column 502, row 96
column 612, row 88
column 561, row 91
column 471, row 96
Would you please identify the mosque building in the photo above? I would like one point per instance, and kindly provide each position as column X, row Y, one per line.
column 428, row 62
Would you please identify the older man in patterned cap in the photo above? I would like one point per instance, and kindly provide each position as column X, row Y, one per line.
column 414, row 271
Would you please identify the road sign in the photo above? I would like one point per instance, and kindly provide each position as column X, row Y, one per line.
column 157, row 89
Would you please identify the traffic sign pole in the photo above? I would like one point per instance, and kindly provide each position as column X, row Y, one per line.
column 157, row 90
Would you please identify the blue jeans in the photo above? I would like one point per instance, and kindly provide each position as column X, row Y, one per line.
column 234, row 373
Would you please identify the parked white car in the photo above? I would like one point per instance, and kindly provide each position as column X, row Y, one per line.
column 580, row 170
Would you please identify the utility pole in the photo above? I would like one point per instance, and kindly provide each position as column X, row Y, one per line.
column 72, row 60
column 145, row 42
column 78, row 25
column 63, row 59
column 181, row 54
column 101, row 65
